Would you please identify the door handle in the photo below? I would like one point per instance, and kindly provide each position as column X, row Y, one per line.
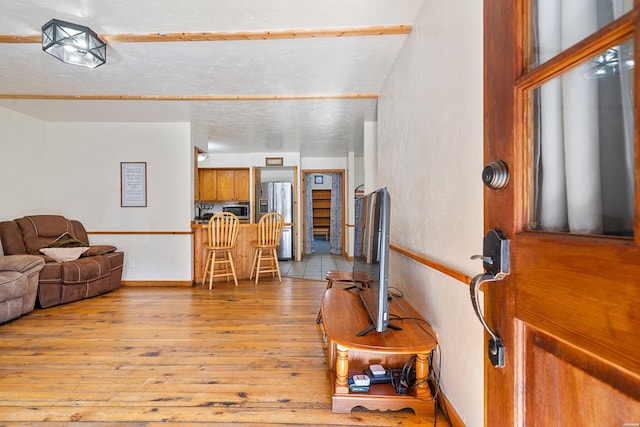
column 495, row 260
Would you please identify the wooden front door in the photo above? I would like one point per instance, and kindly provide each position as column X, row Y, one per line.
column 560, row 106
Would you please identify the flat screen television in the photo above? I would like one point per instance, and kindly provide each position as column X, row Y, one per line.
column 371, row 255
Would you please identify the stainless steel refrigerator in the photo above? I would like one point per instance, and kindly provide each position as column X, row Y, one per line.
column 278, row 197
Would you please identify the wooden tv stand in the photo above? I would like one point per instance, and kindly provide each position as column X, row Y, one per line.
column 343, row 316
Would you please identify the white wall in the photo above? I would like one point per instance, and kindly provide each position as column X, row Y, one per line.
column 351, row 187
column 324, row 163
column 431, row 139
column 21, row 139
column 199, row 138
column 371, row 157
column 73, row 169
column 246, row 160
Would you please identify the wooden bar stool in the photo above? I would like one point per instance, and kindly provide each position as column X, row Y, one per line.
column 265, row 258
column 347, row 277
column 222, row 231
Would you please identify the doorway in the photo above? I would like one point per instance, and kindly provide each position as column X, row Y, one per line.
column 323, row 216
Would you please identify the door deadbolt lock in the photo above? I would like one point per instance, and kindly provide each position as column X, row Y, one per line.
column 495, row 175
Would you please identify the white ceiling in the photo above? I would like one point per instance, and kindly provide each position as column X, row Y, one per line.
column 331, row 73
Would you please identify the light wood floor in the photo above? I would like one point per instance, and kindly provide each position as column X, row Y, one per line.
column 251, row 355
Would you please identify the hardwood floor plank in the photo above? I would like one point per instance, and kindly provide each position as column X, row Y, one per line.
column 213, row 416
column 251, row 355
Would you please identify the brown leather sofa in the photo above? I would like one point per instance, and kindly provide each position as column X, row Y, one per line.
column 18, row 285
column 97, row 270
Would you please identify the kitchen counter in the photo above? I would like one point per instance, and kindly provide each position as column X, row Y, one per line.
column 242, row 254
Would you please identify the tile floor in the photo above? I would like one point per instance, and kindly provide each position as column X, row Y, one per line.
column 315, row 266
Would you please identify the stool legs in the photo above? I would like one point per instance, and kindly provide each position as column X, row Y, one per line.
column 275, row 260
column 233, row 268
column 259, row 258
column 258, row 263
column 226, row 270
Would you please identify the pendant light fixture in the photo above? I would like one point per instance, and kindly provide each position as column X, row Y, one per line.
column 73, row 44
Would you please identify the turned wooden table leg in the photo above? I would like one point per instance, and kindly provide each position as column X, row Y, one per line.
column 342, row 369
column 422, row 373
column 332, row 356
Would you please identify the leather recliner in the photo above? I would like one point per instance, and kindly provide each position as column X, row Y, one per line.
column 98, row 270
column 18, row 285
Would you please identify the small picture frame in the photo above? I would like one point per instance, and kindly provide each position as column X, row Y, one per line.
column 133, row 184
column 274, row 161
column 319, row 179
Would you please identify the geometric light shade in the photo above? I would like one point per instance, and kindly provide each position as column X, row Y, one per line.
column 73, row 44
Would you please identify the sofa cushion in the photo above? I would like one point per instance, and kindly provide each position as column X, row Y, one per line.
column 11, row 237
column 39, row 231
column 66, row 240
column 65, row 248
column 85, row 270
column 51, row 273
column 64, row 254
column 99, row 250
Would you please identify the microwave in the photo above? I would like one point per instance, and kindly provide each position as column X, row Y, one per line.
column 241, row 211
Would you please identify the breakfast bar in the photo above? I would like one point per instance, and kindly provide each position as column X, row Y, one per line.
column 242, row 254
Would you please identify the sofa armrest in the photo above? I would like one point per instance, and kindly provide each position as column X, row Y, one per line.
column 95, row 250
column 20, row 263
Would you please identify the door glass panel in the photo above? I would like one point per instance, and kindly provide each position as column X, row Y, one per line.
column 583, row 148
column 559, row 24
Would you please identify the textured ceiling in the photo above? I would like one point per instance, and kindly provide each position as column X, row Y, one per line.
column 307, row 94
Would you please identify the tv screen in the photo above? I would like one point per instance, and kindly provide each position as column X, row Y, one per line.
column 371, row 254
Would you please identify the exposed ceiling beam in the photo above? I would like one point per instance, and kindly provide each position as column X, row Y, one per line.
column 236, row 36
column 190, row 98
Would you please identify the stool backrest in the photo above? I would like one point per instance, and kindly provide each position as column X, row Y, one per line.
column 222, row 230
column 270, row 229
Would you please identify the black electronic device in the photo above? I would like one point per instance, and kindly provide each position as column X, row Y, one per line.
column 355, row 388
column 358, row 388
column 379, row 379
column 399, row 381
column 371, row 255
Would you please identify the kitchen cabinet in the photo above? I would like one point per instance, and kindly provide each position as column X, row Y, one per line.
column 241, row 185
column 207, row 184
column 223, row 185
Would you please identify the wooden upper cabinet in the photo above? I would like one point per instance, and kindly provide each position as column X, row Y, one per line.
column 207, row 184
column 241, row 185
column 224, row 185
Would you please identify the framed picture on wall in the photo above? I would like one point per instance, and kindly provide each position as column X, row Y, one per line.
column 133, row 184
column 274, row 161
column 319, row 179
